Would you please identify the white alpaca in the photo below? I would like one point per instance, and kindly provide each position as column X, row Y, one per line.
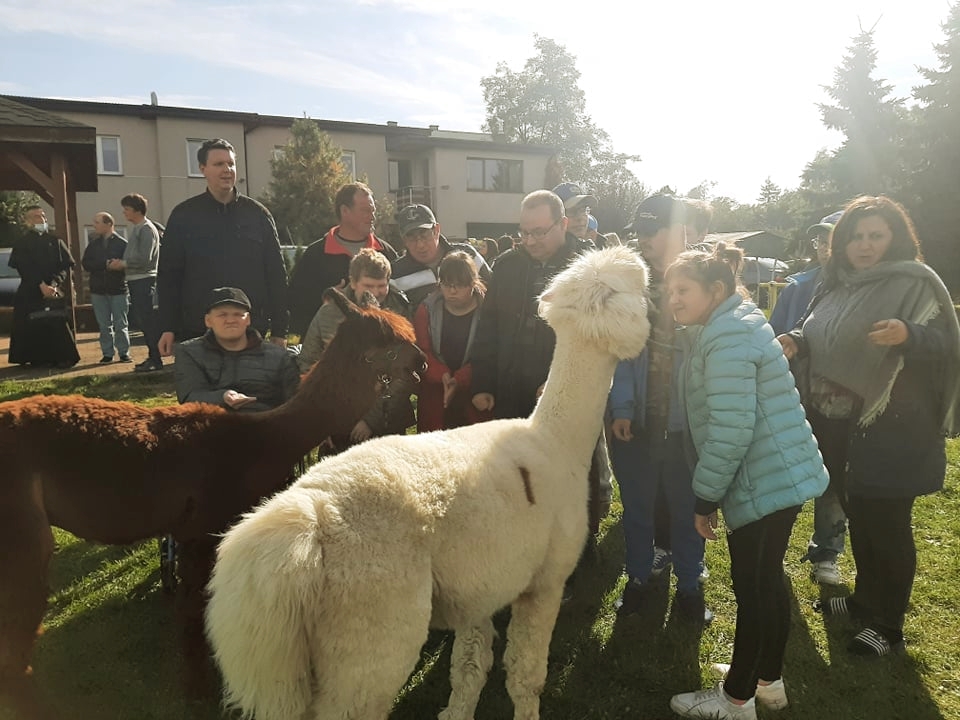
column 322, row 597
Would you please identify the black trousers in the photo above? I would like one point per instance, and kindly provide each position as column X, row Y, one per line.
column 881, row 537
column 142, row 295
column 763, row 601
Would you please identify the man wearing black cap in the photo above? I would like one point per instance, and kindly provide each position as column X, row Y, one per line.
column 576, row 206
column 231, row 366
column 647, row 448
column 415, row 273
column 829, row 520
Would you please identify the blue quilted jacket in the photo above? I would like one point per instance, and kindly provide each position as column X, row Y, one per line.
column 756, row 452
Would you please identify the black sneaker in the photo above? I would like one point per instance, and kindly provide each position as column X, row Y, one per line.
column 105, row 359
column 633, row 598
column 126, row 359
column 691, row 606
column 148, row 366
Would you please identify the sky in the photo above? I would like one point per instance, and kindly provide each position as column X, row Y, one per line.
column 724, row 92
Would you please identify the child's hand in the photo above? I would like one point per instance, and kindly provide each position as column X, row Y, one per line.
column 621, row 429
column 449, row 388
column 706, row 525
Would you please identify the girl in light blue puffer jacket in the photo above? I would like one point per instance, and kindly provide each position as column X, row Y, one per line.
column 757, row 461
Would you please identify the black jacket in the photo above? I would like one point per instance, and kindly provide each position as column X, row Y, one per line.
column 204, row 370
column 416, row 280
column 514, row 345
column 94, row 261
column 206, row 245
column 323, row 265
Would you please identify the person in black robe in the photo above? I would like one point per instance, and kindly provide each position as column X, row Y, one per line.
column 41, row 334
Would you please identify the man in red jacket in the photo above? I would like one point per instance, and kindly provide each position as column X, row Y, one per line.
column 326, row 262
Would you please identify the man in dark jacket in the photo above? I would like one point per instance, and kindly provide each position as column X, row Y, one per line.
column 514, row 346
column 220, row 238
column 326, row 263
column 415, row 273
column 108, row 288
column 230, row 365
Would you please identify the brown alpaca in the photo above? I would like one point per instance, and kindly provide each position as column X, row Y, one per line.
column 116, row 473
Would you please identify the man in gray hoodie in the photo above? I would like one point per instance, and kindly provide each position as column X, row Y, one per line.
column 140, row 263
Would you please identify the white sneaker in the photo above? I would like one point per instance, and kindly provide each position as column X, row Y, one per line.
column 772, row 696
column 712, row 704
column 826, row 572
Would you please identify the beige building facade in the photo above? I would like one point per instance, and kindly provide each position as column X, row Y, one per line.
column 473, row 182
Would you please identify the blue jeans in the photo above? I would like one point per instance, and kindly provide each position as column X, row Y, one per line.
column 143, row 295
column 829, row 527
column 111, row 314
column 640, row 474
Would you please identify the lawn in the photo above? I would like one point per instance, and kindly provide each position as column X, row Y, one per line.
column 110, row 650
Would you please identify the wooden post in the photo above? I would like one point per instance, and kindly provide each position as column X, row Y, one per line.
column 59, row 175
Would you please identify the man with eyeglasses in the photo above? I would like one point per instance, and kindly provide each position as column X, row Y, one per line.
column 514, row 345
column 415, row 272
column 829, row 520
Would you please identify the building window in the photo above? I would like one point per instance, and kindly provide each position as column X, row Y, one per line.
column 109, row 161
column 401, row 175
column 485, row 175
column 349, row 162
column 193, row 164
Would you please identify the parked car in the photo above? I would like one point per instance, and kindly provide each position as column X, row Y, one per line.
column 758, row 270
column 9, row 279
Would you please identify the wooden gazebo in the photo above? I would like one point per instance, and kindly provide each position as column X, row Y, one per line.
column 55, row 158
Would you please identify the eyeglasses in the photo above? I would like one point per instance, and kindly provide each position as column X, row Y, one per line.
column 452, row 286
column 537, row 233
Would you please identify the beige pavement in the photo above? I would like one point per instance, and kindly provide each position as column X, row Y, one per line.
column 89, row 364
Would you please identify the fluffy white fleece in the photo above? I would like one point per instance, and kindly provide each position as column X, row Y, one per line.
column 322, row 597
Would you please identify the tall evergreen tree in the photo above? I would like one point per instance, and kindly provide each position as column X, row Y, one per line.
column 873, row 124
column 935, row 162
column 306, row 177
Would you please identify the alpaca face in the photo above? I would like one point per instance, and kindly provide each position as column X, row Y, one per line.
column 602, row 297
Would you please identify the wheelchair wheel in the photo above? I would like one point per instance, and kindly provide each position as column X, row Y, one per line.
column 168, row 564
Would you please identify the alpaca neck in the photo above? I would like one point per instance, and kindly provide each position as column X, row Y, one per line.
column 327, row 403
column 575, row 396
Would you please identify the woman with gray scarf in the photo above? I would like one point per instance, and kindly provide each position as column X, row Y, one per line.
column 877, row 363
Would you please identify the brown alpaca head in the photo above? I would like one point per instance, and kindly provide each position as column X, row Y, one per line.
column 372, row 344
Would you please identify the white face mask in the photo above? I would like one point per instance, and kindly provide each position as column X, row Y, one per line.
column 41, row 227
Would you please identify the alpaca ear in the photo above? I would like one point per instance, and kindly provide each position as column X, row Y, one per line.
column 340, row 300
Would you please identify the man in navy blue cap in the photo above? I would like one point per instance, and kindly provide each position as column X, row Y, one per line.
column 576, row 206
column 829, row 520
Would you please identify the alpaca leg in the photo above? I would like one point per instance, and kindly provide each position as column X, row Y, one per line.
column 362, row 658
column 194, row 565
column 528, row 643
column 471, row 661
column 26, row 545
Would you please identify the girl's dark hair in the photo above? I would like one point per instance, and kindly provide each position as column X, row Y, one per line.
column 722, row 265
column 904, row 246
column 457, row 268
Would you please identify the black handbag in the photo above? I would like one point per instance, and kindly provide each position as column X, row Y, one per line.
column 53, row 308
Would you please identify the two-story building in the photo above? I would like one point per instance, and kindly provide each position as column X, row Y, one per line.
column 473, row 181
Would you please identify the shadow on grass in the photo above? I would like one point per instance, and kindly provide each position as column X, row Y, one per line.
column 118, row 652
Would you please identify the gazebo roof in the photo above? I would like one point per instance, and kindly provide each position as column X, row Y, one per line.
column 38, row 135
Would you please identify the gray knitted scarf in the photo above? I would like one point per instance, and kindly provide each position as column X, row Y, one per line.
column 837, row 327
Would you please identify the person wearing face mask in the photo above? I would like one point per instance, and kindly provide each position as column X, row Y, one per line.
column 41, row 335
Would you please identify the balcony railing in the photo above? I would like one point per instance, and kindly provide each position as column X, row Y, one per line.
column 414, row 195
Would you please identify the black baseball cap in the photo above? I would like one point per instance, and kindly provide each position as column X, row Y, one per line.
column 228, row 296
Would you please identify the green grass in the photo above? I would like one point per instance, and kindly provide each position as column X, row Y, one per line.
column 110, row 649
